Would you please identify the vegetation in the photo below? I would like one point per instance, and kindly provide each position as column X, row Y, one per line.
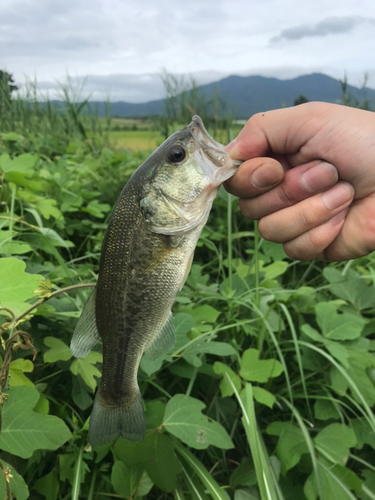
column 269, row 391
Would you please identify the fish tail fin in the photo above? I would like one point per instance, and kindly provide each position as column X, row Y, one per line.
column 107, row 423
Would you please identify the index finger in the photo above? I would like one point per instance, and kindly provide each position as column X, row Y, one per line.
column 281, row 131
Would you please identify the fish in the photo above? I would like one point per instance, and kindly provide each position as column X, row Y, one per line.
column 146, row 257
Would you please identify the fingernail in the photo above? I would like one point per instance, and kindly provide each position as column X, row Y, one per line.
column 267, row 175
column 319, row 177
column 338, row 196
column 231, row 145
column 339, row 217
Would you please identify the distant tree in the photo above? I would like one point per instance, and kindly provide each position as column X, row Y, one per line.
column 301, row 99
column 359, row 101
column 6, row 88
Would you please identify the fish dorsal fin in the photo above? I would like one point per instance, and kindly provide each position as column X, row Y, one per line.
column 86, row 334
column 163, row 342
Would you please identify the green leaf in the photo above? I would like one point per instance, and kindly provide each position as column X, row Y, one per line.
column 97, row 209
column 334, row 442
column 203, row 346
column 336, row 482
column 204, row 314
column 86, row 369
column 291, row 444
column 275, row 269
column 17, row 368
column 17, row 485
column 363, row 432
column 23, row 430
column 264, row 397
column 335, row 326
column 59, row 350
column 183, row 323
column 160, row 461
column 244, row 474
column 48, row 485
column 22, row 164
column 126, row 478
column 255, row 370
column 16, row 285
column 325, row 410
column 351, row 288
column 183, row 419
column 225, row 386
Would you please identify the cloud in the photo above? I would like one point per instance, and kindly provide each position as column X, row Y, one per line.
column 329, row 26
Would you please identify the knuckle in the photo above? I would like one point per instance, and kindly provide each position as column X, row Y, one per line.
column 285, row 196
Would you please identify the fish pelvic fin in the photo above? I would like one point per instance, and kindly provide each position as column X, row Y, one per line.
column 86, row 334
column 107, row 423
column 163, row 342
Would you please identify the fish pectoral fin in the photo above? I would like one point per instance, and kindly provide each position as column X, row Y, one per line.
column 163, row 342
column 86, row 334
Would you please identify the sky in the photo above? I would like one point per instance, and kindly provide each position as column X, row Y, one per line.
column 118, row 48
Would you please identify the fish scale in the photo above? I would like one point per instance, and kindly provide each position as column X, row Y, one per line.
column 146, row 256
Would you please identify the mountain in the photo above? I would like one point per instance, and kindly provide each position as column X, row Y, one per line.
column 247, row 95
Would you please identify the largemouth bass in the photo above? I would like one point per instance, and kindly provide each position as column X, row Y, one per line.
column 146, row 256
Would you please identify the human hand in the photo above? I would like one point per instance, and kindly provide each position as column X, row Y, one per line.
column 309, row 178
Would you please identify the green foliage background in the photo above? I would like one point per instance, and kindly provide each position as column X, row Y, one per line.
column 268, row 393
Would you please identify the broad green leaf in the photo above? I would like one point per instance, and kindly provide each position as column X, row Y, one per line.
column 14, row 247
column 351, row 287
column 48, row 485
column 183, row 419
column 17, row 485
column 23, row 430
column 183, row 323
column 244, row 474
column 23, row 164
column 324, row 409
column 204, row 314
column 59, row 350
column 202, row 346
column 151, row 366
column 126, row 478
column 225, row 386
column 275, row 269
column 86, row 369
column 363, row 432
column 254, row 369
column 80, row 395
column 336, row 482
column 97, row 209
column 47, row 208
column 291, row 444
column 246, row 494
column 334, row 442
column 129, row 452
column 16, row 285
column 17, row 368
column 160, row 461
column 264, row 397
column 42, row 405
column 154, row 414
column 336, row 326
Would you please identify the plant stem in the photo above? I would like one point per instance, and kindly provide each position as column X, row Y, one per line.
column 54, row 294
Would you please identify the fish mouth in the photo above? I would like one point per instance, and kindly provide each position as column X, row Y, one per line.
column 212, row 149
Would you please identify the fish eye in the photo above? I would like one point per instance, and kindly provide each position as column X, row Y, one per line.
column 176, row 154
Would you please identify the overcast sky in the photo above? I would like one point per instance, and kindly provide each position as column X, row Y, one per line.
column 121, row 46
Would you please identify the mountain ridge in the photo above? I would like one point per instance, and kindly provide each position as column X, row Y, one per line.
column 246, row 95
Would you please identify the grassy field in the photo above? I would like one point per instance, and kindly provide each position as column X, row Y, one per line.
column 148, row 138
column 135, row 140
